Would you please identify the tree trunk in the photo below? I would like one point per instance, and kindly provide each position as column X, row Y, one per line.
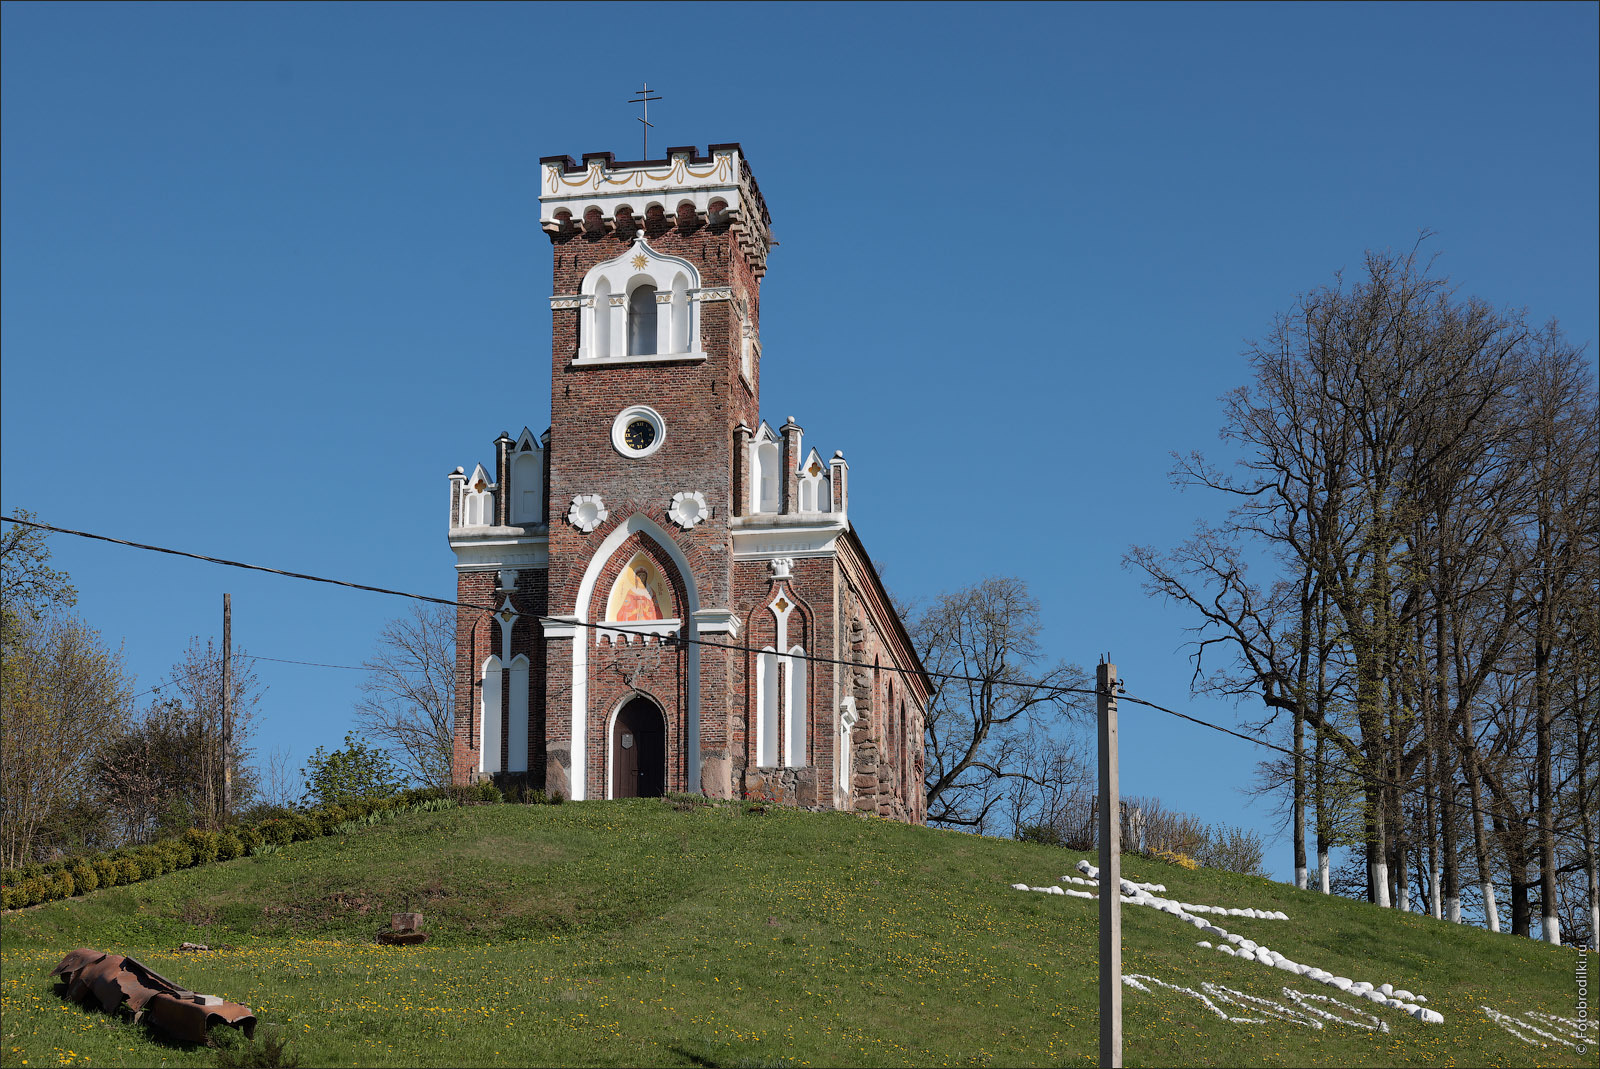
column 1550, row 927
column 1480, row 834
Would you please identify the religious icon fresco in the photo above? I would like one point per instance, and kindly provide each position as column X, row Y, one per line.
column 641, row 593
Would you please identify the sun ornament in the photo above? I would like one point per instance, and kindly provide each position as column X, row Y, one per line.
column 639, row 260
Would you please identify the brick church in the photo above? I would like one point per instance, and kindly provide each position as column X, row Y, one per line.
column 681, row 602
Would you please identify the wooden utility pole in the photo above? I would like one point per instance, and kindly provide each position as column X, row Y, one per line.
column 227, row 707
column 1110, row 869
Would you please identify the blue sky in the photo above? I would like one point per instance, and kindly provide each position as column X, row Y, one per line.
column 271, row 271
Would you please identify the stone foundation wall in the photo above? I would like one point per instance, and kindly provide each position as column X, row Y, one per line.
column 786, row 786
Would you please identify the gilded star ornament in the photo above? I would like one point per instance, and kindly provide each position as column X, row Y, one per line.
column 639, row 261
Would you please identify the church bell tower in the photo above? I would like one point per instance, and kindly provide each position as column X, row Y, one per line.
column 655, row 384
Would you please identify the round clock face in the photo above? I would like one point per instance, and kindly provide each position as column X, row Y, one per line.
column 639, row 434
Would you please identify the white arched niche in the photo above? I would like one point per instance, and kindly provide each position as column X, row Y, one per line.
column 517, row 734
column 639, row 305
column 527, row 481
column 489, row 718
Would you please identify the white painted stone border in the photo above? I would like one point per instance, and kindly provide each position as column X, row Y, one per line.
column 1139, row 895
column 1514, row 1025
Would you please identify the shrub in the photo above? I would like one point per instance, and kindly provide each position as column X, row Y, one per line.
column 249, row 838
column 1234, row 850
column 302, row 826
column 228, row 845
column 174, row 854
column 488, row 792
column 1183, row 860
column 109, row 871
column 202, row 845
column 1045, row 834
column 30, row 891
column 277, row 830
column 354, row 771
column 85, row 876
column 162, row 858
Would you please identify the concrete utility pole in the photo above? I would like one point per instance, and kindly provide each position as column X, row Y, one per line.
column 227, row 707
column 1110, row 869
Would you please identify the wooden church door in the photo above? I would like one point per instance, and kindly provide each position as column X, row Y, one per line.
column 639, row 751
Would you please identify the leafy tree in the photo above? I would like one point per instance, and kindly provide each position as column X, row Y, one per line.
column 29, row 587
column 354, row 771
column 61, row 692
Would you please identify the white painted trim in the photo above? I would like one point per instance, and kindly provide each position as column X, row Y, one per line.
column 580, row 650
column 630, row 632
column 626, row 418
column 506, row 616
column 517, row 736
column 491, row 553
column 796, row 698
column 647, row 358
column 787, row 540
column 560, row 626
column 716, row 621
column 483, row 713
column 841, row 760
column 769, row 702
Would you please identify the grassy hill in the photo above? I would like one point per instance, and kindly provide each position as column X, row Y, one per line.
column 637, row 933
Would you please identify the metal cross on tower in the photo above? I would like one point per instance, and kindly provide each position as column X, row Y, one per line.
column 644, row 99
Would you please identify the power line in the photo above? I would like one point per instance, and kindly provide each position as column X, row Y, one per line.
column 490, row 610
column 812, row 658
column 235, row 563
column 309, row 664
column 1379, row 781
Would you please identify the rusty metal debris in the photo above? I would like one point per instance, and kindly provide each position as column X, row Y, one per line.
column 405, row 929
column 121, row 985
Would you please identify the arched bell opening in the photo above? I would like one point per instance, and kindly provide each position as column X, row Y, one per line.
column 639, row 750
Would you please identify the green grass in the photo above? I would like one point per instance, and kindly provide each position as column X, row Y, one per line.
column 633, row 933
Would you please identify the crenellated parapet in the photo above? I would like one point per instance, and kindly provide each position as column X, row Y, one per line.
column 686, row 191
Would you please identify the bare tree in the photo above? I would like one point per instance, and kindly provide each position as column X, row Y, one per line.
column 987, row 725
column 278, row 784
column 408, row 699
column 162, row 772
column 1410, row 464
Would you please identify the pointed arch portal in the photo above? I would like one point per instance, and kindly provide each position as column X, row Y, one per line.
column 639, row 751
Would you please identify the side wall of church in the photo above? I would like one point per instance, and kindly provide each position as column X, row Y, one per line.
column 478, row 637
column 810, row 626
column 886, row 760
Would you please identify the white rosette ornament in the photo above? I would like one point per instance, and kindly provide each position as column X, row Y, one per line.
column 587, row 512
column 688, row 509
